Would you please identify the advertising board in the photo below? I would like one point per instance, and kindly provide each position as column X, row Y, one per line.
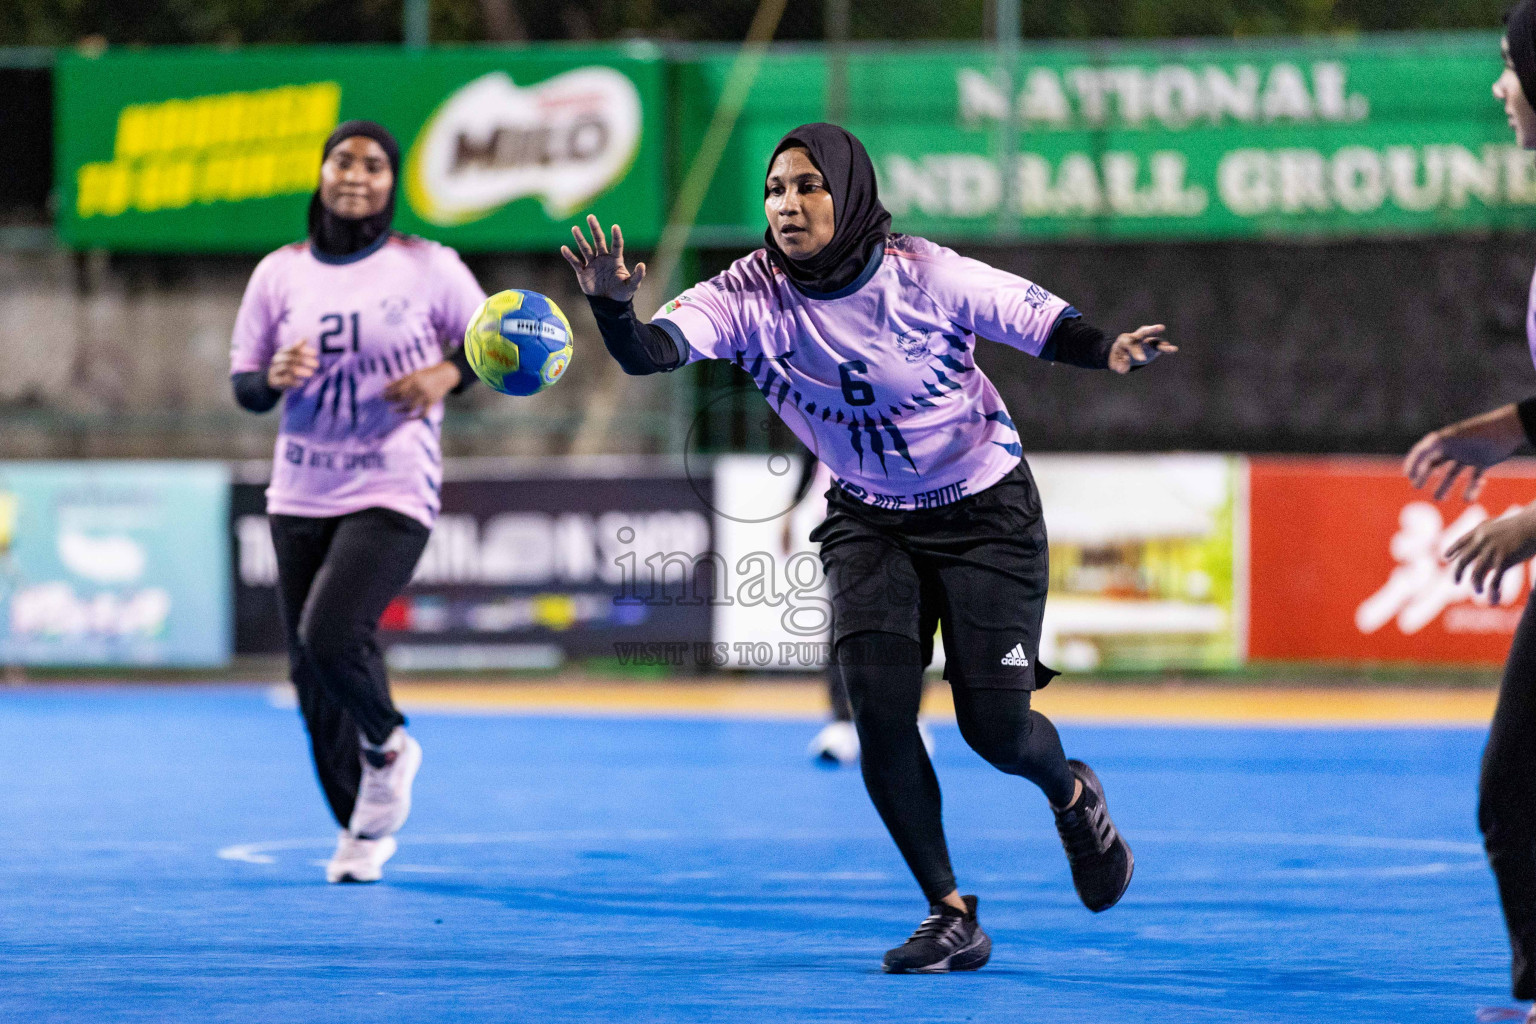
column 1347, row 565
column 1371, row 135
column 1147, row 560
column 197, row 149
column 114, row 563
column 527, row 568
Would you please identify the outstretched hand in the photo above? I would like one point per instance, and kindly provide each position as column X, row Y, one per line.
column 600, row 270
column 1139, row 347
column 1472, row 446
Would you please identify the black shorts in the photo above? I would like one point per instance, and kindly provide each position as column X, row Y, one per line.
column 978, row 567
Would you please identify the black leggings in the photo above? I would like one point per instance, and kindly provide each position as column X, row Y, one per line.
column 837, row 693
column 1506, row 809
column 884, row 675
column 335, row 578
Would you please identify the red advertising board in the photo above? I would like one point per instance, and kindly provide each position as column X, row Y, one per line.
column 1346, row 564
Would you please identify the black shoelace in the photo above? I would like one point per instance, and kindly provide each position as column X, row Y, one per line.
column 944, row 929
column 1087, row 831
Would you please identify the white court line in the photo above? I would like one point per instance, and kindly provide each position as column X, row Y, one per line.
column 1305, row 839
column 261, row 852
column 264, row 852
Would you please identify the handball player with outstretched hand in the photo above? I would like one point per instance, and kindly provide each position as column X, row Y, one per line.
column 864, row 342
column 349, row 330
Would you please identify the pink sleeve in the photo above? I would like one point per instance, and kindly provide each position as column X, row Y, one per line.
column 459, row 296
column 708, row 315
column 988, row 302
column 255, row 336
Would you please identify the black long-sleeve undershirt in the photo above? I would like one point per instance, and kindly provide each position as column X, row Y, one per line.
column 641, row 348
column 1076, row 342
column 638, row 348
column 253, row 392
column 1526, row 410
column 458, row 357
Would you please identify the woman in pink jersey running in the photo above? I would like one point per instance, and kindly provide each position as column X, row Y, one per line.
column 349, row 329
column 863, row 342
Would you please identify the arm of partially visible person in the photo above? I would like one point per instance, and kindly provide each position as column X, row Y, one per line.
column 1491, row 549
column 1473, row 445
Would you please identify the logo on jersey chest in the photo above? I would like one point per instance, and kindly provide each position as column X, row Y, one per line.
column 395, row 308
column 917, row 345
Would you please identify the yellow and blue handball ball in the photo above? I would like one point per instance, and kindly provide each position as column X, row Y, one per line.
column 518, row 342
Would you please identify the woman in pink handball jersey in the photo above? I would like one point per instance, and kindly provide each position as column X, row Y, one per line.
column 358, row 330
column 1506, row 809
column 864, row 343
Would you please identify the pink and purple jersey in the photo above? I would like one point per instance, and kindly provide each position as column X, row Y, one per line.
column 879, row 380
column 342, row 447
column 1530, row 321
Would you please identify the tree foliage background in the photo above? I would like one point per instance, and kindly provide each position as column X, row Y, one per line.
column 146, row 22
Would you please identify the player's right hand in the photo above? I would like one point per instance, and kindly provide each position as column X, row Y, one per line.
column 292, row 365
column 600, row 270
column 1473, row 446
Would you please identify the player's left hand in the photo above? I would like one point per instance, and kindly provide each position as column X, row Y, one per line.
column 415, row 393
column 1139, row 347
column 1491, row 549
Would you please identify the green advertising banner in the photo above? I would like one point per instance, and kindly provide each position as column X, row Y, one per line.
column 1342, row 137
column 200, row 149
column 207, row 150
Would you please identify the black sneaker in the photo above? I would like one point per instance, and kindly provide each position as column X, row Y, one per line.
column 947, row 940
column 1101, row 861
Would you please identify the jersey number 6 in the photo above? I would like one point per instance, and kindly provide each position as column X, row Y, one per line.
column 855, row 392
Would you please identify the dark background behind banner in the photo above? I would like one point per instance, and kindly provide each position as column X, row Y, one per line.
column 26, row 138
column 524, row 561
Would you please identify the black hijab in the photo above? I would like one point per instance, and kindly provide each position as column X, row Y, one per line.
column 860, row 222
column 1520, row 30
column 336, row 236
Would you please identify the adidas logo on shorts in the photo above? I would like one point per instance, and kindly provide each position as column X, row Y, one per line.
column 1016, row 658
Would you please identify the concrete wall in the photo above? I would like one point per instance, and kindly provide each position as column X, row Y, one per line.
column 129, row 356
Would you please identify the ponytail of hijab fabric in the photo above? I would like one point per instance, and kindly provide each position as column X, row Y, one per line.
column 340, row 237
column 860, row 223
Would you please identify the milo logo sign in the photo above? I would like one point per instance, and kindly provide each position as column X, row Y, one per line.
column 562, row 141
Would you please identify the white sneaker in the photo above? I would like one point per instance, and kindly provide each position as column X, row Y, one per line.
column 359, row 860
column 837, row 743
column 384, row 795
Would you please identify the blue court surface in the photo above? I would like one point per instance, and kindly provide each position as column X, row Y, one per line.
column 160, row 852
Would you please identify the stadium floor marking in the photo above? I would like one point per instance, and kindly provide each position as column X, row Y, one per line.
column 269, row 852
column 1170, row 704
